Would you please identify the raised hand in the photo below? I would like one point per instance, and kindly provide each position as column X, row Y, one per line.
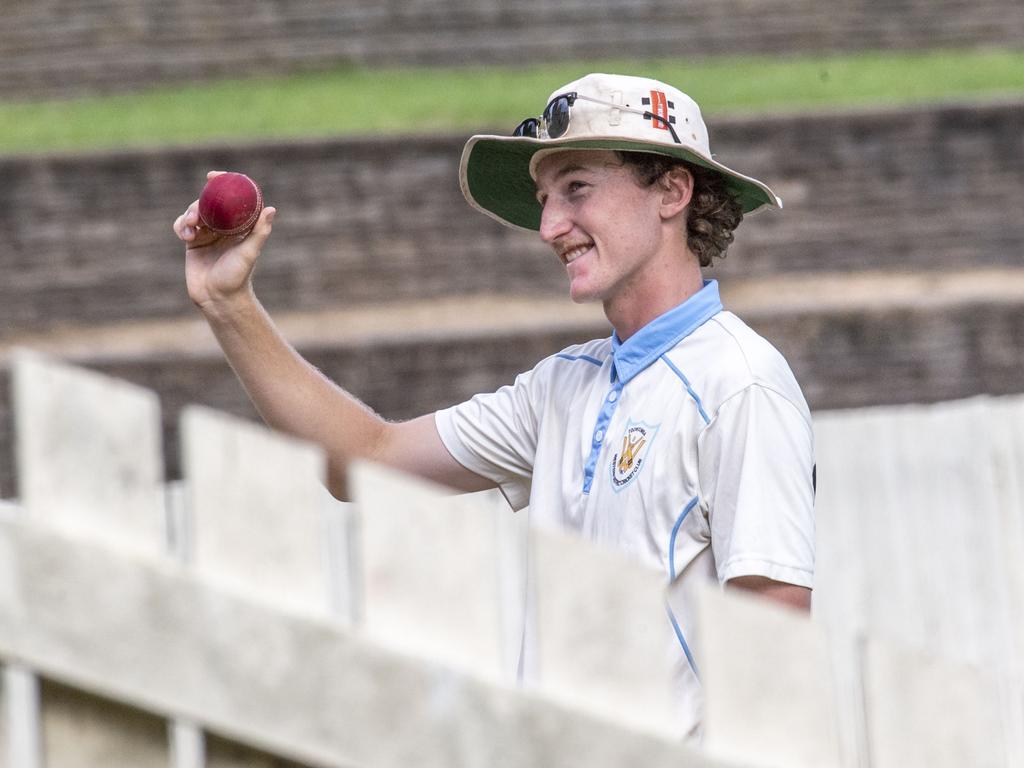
column 218, row 269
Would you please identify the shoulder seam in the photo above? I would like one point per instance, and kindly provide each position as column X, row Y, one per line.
column 739, row 346
column 767, row 388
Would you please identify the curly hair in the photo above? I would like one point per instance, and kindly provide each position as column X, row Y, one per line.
column 714, row 211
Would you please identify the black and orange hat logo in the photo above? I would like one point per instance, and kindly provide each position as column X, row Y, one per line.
column 661, row 107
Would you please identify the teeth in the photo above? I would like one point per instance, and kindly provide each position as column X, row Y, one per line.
column 569, row 256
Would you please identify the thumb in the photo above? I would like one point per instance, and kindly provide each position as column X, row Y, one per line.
column 264, row 224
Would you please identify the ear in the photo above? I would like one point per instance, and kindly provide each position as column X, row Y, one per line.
column 677, row 191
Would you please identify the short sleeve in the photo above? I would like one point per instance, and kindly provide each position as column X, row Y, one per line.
column 756, row 465
column 495, row 435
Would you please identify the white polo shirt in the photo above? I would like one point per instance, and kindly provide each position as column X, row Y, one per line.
column 688, row 446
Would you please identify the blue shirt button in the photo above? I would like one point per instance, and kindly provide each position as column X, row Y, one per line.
column 599, row 436
column 613, row 396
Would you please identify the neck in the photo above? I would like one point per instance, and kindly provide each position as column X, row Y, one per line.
column 641, row 302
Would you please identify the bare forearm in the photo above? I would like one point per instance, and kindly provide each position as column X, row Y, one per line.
column 290, row 394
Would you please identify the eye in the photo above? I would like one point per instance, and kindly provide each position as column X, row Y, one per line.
column 574, row 186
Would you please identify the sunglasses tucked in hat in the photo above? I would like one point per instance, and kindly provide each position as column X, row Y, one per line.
column 615, row 112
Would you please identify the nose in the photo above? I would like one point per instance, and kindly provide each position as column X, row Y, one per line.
column 555, row 221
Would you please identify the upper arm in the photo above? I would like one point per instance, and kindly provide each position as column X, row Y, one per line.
column 416, row 447
column 787, row 594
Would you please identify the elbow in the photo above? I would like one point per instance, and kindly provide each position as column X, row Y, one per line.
column 372, row 447
column 337, row 482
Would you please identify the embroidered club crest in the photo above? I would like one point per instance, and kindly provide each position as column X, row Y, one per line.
column 628, row 461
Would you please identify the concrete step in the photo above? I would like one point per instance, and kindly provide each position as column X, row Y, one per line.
column 85, row 239
column 64, row 47
column 852, row 340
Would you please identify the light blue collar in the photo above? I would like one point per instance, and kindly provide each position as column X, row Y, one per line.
column 664, row 332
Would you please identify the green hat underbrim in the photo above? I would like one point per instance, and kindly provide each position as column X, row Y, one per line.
column 495, row 174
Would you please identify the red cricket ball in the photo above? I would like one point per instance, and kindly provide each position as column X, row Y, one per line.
column 230, row 204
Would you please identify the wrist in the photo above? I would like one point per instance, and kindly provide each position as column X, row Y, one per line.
column 230, row 309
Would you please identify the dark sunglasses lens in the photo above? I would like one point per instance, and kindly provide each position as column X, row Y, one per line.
column 530, row 127
column 556, row 115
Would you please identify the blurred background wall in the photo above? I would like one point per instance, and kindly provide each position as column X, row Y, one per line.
column 113, row 46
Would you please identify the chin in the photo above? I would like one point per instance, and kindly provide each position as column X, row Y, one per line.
column 581, row 294
column 582, row 297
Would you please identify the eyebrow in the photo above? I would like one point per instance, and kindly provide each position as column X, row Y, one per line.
column 571, row 168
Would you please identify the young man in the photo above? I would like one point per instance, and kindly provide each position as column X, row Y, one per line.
column 683, row 440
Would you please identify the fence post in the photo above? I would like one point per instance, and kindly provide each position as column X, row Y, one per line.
column 23, row 721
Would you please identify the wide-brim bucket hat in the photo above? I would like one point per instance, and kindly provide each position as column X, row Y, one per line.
column 615, row 112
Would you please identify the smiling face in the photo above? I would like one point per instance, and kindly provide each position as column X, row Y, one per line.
column 621, row 244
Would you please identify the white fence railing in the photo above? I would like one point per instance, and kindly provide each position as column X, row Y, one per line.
column 245, row 603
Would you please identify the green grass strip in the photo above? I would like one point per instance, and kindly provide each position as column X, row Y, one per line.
column 395, row 101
